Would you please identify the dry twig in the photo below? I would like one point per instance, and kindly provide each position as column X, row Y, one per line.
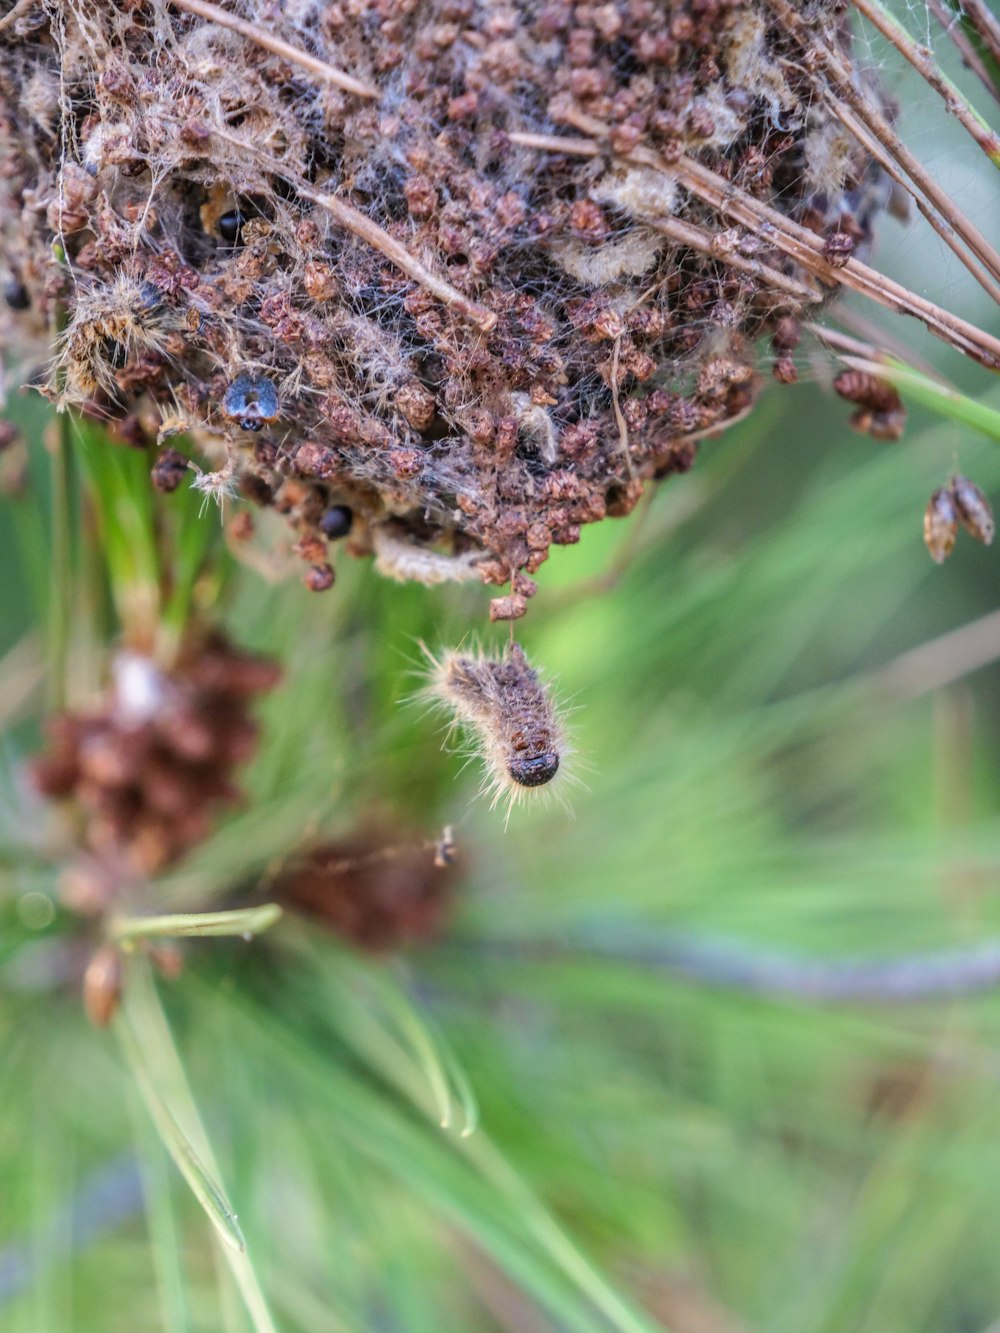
column 20, row 9
column 796, row 241
column 986, row 24
column 951, row 22
column 294, row 54
column 363, row 227
column 848, row 96
column 922, row 60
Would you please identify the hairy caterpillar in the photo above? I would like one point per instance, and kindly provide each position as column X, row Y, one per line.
column 508, row 713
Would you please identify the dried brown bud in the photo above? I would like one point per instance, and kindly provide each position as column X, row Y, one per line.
column 169, row 470
column 241, row 526
column 379, row 889
column 167, row 959
column 320, row 281
column 310, row 548
column 102, row 985
column 838, row 248
column 881, row 413
column 940, row 525
column 858, row 386
column 508, row 608
column 880, row 425
column 785, row 370
column 319, row 578
column 416, row 404
column 787, row 334
column 974, row 510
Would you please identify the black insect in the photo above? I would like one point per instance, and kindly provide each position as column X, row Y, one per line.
column 251, row 401
column 336, row 522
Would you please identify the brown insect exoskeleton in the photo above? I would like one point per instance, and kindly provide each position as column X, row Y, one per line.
column 974, row 510
column 961, row 501
column 880, row 413
column 940, row 525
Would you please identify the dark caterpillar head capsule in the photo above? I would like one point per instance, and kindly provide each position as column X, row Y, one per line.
column 336, row 522
column 534, row 772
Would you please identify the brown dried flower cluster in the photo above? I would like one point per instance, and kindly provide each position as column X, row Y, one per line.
column 342, row 246
column 373, row 889
column 960, row 502
column 149, row 767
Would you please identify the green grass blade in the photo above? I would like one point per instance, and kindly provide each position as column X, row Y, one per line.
column 161, row 1223
column 153, row 1059
column 205, row 1189
column 246, row 921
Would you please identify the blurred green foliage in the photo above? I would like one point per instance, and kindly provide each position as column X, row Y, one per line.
column 749, row 775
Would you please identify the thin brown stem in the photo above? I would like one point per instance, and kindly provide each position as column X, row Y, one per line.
column 793, row 239
column 362, row 226
column 986, row 24
column 294, row 54
column 841, row 342
column 353, row 220
column 616, row 404
column 839, row 74
column 888, row 165
column 922, row 60
column 807, row 249
column 716, row 245
column 20, row 9
column 855, row 322
column 951, row 22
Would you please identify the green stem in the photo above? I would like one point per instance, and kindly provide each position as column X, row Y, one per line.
column 247, row 922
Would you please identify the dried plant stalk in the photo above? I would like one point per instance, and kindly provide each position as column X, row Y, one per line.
column 839, row 74
column 261, row 37
column 922, row 60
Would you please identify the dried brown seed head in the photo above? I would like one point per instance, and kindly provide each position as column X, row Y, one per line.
column 858, row 386
column 443, row 315
column 102, row 985
column 169, row 470
column 974, row 511
column 941, row 524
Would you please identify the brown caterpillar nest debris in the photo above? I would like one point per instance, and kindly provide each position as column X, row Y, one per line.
column 471, row 342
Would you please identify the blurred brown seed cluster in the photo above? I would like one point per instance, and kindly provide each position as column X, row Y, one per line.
column 372, row 889
column 386, row 291
column 960, row 502
column 148, row 769
column 880, row 413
